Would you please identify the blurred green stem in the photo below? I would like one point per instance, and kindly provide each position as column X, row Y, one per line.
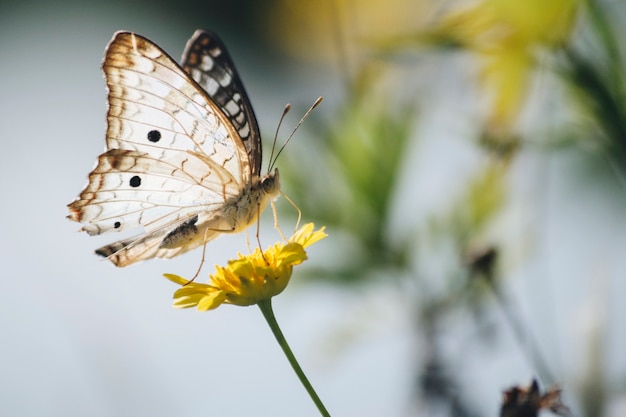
column 608, row 40
column 600, row 78
column 525, row 338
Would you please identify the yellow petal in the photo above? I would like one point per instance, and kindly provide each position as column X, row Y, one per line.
column 188, row 301
column 306, row 236
column 212, row 301
column 176, row 279
column 291, row 254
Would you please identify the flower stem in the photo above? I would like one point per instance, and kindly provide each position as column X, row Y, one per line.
column 268, row 313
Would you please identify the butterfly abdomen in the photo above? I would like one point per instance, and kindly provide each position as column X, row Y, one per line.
column 185, row 233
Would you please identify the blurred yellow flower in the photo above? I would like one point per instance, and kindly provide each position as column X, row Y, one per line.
column 319, row 31
column 506, row 34
column 500, row 24
column 248, row 279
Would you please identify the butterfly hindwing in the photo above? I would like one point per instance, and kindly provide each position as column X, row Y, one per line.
column 155, row 243
column 207, row 61
column 130, row 188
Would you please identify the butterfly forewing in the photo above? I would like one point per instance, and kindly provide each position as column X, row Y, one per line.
column 209, row 64
column 155, row 107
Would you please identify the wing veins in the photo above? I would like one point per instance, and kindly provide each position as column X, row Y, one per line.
column 187, row 133
column 181, row 73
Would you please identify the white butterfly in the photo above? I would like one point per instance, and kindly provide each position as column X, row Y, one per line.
column 183, row 151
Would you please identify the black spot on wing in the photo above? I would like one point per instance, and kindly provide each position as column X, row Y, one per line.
column 154, row 136
column 135, row 181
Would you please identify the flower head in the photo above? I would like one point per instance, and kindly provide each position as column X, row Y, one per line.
column 251, row 278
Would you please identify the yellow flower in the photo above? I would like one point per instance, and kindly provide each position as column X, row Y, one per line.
column 248, row 279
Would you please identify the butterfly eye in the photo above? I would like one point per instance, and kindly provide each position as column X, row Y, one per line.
column 270, row 184
column 154, row 136
column 135, row 181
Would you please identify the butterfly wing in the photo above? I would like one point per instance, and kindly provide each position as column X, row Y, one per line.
column 209, row 64
column 173, row 159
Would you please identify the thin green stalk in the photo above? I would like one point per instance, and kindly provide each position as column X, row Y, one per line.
column 268, row 313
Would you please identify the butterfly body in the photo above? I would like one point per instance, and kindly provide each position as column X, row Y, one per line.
column 183, row 151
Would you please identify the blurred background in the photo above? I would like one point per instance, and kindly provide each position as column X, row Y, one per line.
column 468, row 162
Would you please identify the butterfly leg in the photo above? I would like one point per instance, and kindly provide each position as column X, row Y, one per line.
column 276, row 226
column 248, row 241
column 206, row 233
column 258, row 233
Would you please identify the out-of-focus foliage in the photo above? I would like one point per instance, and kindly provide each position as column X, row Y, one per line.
column 563, row 57
column 356, row 184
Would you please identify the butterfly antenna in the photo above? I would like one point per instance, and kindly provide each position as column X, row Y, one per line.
column 273, row 161
column 280, row 122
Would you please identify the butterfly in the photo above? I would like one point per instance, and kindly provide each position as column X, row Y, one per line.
column 183, row 151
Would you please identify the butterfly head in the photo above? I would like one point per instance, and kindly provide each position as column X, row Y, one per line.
column 271, row 183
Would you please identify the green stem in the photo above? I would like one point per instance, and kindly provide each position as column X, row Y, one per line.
column 268, row 313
